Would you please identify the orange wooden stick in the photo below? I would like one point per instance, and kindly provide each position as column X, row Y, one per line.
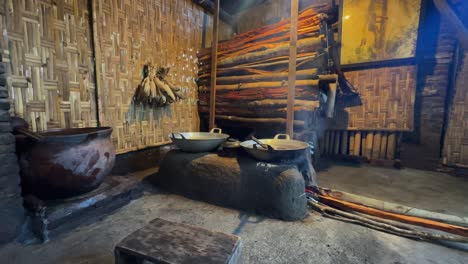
column 458, row 230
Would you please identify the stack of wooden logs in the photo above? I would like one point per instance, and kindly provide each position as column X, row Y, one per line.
column 252, row 72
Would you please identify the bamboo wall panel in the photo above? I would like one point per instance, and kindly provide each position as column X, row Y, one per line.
column 456, row 138
column 387, row 96
column 48, row 43
column 131, row 34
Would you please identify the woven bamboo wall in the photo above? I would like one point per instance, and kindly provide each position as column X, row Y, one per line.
column 387, row 96
column 456, row 138
column 48, row 45
column 130, row 34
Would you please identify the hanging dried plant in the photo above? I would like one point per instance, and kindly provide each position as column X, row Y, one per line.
column 155, row 90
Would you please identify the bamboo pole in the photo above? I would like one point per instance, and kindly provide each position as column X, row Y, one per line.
column 344, row 143
column 274, row 50
column 357, row 143
column 395, row 208
column 351, row 142
column 337, row 142
column 256, row 85
column 376, row 145
column 309, row 74
column 259, row 120
column 292, row 67
column 459, row 230
column 368, row 147
column 214, row 61
column 383, row 146
column 391, row 146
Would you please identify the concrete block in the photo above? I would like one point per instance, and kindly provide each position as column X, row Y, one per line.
column 274, row 190
column 162, row 241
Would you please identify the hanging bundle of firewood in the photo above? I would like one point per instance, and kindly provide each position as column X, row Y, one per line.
column 155, row 90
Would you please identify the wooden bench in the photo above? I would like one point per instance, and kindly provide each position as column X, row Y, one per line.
column 166, row 242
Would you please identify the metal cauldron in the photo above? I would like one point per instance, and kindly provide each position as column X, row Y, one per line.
column 281, row 147
column 65, row 162
column 199, row 141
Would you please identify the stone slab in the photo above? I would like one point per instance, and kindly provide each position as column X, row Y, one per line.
column 273, row 190
column 52, row 217
column 162, row 241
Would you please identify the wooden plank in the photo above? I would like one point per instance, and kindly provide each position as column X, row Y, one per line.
column 292, row 67
column 214, row 61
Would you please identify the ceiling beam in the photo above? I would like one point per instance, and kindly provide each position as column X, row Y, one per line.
column 460, row 31
column 209, row 6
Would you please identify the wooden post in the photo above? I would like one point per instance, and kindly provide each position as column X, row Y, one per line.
column 292, row 67
column 214, row 66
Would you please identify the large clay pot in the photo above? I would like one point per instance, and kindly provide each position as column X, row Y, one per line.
column 65, row 162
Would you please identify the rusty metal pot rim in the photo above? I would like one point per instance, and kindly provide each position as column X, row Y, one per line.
column 73, row 132
column 70, row 135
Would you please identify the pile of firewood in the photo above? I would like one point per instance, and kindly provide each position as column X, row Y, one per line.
column 252, row 69
column 155, row 90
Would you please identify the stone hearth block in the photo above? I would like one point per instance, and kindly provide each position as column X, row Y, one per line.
column 50, row 217
column 243, row 183
column 162, row 241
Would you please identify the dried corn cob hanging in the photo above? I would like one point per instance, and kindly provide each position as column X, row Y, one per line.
column 154, row 90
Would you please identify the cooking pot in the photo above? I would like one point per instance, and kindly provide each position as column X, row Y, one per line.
column 65, row 162
column 199, row 141
column 281, row 147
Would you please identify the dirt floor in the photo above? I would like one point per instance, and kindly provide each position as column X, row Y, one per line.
column 314, row 240
column 434, row 191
